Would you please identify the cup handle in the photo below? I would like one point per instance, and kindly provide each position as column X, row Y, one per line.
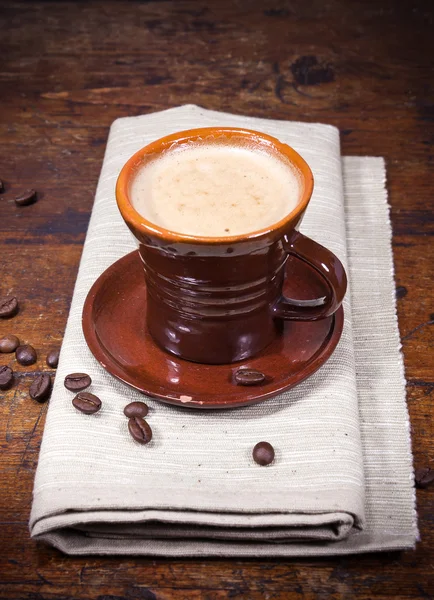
column 332, row 272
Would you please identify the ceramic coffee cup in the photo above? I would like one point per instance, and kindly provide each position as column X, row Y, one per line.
column 219, row 299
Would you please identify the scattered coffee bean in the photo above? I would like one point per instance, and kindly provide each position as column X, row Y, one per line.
column 53, row 358
column 139, row 430
column 9, row 343
column 246, row 376
column 87, row 403
column 8, row 307
column 423, row 477
column 2, row 186
column 136, row 409
column 26, row 355
column 263, row 453
column 41, row 387
column 77, row 382
column 401, row 291
column 26, row 198
column 6, row 378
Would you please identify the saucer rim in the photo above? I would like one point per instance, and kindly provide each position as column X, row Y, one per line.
column 252, row 395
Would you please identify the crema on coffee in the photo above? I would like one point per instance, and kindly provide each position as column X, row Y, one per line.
column 215, row 190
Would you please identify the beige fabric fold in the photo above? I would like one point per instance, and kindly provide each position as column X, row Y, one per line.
column 342, row 481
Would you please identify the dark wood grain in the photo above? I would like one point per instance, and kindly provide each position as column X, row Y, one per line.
column 68, row 69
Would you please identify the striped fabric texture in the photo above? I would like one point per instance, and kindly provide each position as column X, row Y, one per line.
column 342, row 481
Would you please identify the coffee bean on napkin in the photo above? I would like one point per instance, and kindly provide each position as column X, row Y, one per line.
column 6, row 378
column 136, row 409
column 75, row 382
column 87, row 403
column 139, row 430
column 245, row 376
column 25, row 355
column 8, row 307
column 53, row 358
column 263, row 453
column 26, row 198
column 40, row 388
column 423, row 477
column 9, row 343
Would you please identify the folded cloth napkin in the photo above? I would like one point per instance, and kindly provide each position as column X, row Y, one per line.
column 342, row 481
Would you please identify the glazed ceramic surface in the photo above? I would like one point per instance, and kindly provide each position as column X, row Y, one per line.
column 121, row 342
column 219, row 300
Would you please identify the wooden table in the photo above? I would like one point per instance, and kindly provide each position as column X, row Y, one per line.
column 68, row 70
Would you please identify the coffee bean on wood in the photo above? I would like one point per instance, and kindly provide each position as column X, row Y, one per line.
column 6, row 378
column 263, row 453
column 8, row 307
column 136, row 409
column 87, row 403
column 53, row 358
column 41, row 387
column 2, row 186
column 9, row 343
column 140, row 430
column 26, row 355
column 245, row 376
column 77, row 382
column 26, row 198
column 423, row 477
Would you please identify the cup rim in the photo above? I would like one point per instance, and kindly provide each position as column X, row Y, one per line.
column 140, row 224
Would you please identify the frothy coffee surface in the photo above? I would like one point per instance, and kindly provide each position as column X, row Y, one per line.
column 215, row 190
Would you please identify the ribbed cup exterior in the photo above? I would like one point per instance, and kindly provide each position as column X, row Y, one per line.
column 212, row 304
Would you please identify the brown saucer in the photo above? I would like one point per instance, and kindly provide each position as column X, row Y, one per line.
column 115, row 330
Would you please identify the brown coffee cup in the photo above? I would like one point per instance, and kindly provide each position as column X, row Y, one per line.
column 219, row 299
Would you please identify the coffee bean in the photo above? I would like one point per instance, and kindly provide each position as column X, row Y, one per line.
column 263, row 453
column 87, row 403
column 140, row 430
column 53, row 358
column 26, row 198
column 8, row 307
column 77, row 382
column 401, row 291
column 2, row 186
column 26, row 355
column 6, row 378
column 9, row 343
column 246, row 376
column 41, row 387
column 136, row 409
column 423, row 477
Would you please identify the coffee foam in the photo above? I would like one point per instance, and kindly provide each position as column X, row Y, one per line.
column 215, row 190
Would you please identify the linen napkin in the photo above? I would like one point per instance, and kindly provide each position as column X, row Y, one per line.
column 342, row 480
